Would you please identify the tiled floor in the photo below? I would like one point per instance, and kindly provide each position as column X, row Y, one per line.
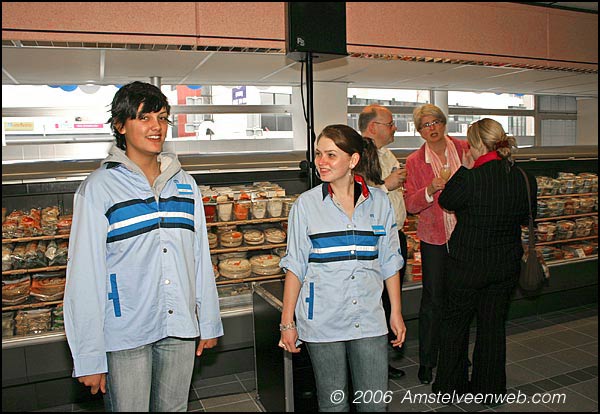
column 554, row 355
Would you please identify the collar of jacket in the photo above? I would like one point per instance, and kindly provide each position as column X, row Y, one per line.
column 490, row 156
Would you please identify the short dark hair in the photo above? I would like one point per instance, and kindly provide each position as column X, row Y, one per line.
column 126, row 102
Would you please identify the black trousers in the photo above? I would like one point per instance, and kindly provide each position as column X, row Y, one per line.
column 433, row 261
column 482, row 292
column 387, row 307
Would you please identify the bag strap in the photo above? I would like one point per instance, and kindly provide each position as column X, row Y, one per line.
column 531, row 228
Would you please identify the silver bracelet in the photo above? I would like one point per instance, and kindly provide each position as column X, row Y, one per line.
column 291, row 325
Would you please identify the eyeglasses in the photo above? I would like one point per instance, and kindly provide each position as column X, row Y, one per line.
column 387, row 124
column 430, row 124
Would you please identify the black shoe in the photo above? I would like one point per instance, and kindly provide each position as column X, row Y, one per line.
column 425, row 374
column 395, row 373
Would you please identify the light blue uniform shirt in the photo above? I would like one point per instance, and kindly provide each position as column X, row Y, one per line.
column 139, row 266
column 342, row 263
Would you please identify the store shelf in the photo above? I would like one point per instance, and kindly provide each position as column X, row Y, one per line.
column 566, row 240
column 243, row 222
column 567, row 195
column 28, row 239
column 29, row 340
column 256, row 278
column 31, row 304
column 35, row 270
column 595, row 213
column 246, row 248
column 552, row 263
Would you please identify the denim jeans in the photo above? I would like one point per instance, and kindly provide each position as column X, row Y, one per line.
column 153, row 377
column 368, row 361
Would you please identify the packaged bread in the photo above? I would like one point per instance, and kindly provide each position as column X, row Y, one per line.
column 18, row 256
column 8, row 324
column 58, row 319
column 56, row 252
column 15, row 289
column 7, row 256
column 35, row 254
column 48, row 286
column 30, row 224
column 10, row 225
column 50, row 220
column 235, row 268
column 63, row 226
column 33, row 321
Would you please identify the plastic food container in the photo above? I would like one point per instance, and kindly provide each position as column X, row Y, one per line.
column 241, row 209
column 225, row 211
column 210, row 212
column 275, row 207
column 259, row 208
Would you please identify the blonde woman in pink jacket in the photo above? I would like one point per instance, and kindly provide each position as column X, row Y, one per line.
column 427, row 171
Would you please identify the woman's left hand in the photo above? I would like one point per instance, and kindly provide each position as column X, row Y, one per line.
column 399, row 329
column 205, row 344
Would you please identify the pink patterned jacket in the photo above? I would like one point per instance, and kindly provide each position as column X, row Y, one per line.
column 419, row 175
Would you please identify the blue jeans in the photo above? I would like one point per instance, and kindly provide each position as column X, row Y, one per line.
column 368, row 361
column 153, row 377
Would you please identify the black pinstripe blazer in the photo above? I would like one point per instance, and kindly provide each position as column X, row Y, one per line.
column 490, row 203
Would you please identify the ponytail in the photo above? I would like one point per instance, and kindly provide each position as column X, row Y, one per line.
column 368, row 166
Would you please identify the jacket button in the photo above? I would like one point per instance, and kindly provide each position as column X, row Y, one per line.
column 165, row 250
column 170, row 311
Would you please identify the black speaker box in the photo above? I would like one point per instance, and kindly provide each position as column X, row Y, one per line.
column 319, row 28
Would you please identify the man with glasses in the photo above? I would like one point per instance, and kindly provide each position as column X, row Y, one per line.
column 377, row 124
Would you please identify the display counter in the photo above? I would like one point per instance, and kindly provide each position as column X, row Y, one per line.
column 284, row 381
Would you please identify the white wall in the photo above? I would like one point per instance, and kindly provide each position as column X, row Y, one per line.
column 587, row 121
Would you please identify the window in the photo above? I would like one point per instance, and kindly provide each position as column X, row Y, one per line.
column 230, row 112
column 558, row 117
column 516, row 112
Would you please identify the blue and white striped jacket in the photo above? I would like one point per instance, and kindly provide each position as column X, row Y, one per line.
column 342, row 263
column 139, row 265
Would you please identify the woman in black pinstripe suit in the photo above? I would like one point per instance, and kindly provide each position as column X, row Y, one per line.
column 490, row 202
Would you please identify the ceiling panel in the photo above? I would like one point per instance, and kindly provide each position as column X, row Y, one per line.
column 55, row 65
column 48, row 67
column 143, row 64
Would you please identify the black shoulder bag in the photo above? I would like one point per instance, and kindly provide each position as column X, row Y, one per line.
column 532, row 274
